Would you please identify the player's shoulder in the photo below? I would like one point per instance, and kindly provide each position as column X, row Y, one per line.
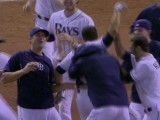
column 19, row 54
column 4, row 54
column 150, row 8
column 147, row 60
column 155, row 42
column 84, row 15
column 57, row 14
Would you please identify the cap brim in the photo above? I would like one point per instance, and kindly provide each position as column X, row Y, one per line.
column 45, row 32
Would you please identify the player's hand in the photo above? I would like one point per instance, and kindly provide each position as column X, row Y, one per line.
column 59, row 97
column 65, row 37
column 27, row 7
column 31, row 66
column 120, row 6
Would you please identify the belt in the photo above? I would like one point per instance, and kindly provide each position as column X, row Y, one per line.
column 83, row 86
column 43, row 18
column 149, row 109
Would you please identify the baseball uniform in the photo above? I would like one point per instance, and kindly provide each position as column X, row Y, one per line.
column 44, row 9
column 35, row 99
column 151, row 13
column 136, row 102
column 99, row 68
column 84, row 106
column 6, row 112
column 145, row 73
column 73, row 26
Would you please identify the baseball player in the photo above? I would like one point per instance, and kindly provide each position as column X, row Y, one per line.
column 90, row 35
column 141, row 27
column 6, row 112
column 102, row 73
column 44, row 10
column 145, row 74
column 63, row 25
column 33, row 72
column 151, row 13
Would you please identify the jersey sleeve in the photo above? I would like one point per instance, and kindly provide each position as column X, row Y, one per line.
column 129, row 61
column 75, row 70
column 50, row 26
column 65, row 63
column 139, row 72
column 13, row 63
column 107, row 40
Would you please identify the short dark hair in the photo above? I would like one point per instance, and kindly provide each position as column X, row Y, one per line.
column 89, row 33
column 140, row 41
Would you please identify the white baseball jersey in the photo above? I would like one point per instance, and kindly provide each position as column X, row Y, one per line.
column 4, row 57
column 67, row 60
column 6, row 112
column 72, row 25
column 45, row 8
column 146, row 75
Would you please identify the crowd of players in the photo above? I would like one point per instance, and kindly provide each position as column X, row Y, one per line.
column 66, row 55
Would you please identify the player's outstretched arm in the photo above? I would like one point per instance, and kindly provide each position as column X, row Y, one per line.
column 119, row 6
column 28, row 5
column 115, row 23
column 119, row 47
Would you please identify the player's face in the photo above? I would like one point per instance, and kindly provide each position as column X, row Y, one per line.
column 69, row 4
column 38, row 40
column 134, row 50
column 141, row 31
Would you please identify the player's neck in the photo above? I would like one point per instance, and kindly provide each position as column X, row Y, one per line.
column 69, row 13
column 38, row 52
column 142, row 55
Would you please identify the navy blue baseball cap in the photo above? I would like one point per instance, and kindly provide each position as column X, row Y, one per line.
column 146, row 24
column 37, row 29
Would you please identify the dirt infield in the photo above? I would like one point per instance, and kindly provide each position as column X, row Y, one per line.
column 15, row 26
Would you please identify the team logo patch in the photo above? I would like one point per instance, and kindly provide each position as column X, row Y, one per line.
column 156, row 65
column 40, row 66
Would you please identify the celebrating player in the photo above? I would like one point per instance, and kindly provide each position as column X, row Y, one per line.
column 151, row 13
column 6, row 112
column 44, row 9
column 33, row 72
column 67, row 24
column 145, row 73
column 102, row 73
column 90, row 35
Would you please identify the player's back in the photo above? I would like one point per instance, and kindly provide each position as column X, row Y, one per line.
column 102, row 74
column 148, row 87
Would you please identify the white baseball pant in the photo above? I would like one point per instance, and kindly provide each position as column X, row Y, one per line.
column 136, row 111
column 6, row 112
column 38, row 114
column 109, row 113
column 65, row 105
column 84, row 104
